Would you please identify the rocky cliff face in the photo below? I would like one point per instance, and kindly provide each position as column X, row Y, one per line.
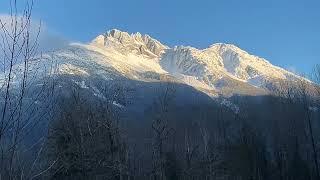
column 134, row 43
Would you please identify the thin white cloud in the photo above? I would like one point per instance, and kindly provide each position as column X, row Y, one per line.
column 47, row 40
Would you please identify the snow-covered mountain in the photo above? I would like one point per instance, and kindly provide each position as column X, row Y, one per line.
column 218, row 69
column 221, row 69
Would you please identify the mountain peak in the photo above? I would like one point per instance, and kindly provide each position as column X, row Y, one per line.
column 121, row 36
column 131, row 43
column 227, row 47
column 115, row 31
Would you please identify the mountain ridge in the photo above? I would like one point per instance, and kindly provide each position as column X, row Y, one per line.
column 205, row 68
column 219, row 70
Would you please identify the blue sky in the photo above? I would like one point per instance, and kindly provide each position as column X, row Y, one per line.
column 286, row 32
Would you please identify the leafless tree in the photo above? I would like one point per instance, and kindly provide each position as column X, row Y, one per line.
column 190, row 151
column 18, row 44
column 161, row 129
column 316, row 79
column 316, row 73
column 86, row 141
column 305, row 96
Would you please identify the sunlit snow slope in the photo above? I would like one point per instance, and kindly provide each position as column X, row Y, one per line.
column 218, row 69
column 221, row 69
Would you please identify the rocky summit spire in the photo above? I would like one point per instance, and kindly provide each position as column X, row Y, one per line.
column 131, row 43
